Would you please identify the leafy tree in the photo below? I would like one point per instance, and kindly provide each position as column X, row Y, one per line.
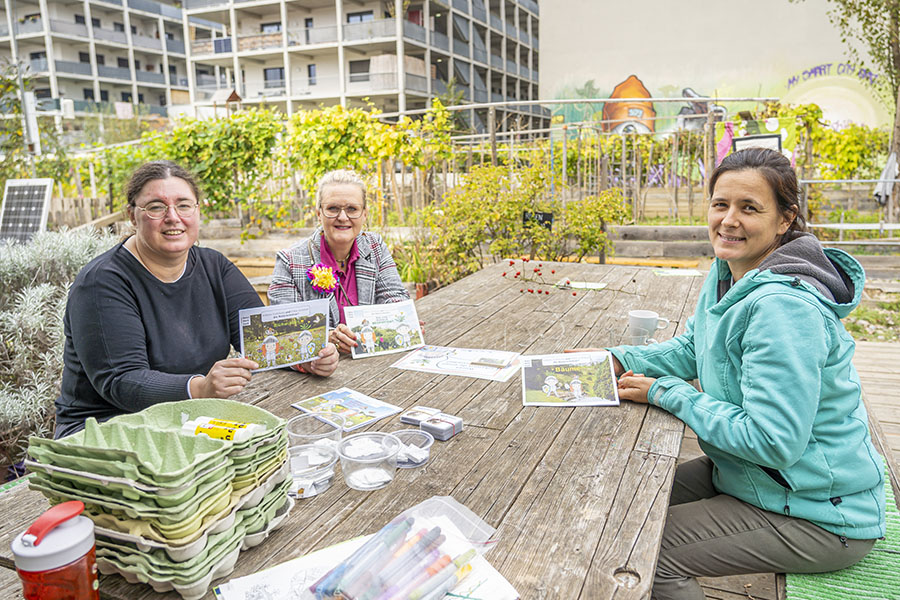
column 874, row 25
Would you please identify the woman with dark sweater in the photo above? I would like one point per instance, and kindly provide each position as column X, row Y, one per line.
column 153, row 319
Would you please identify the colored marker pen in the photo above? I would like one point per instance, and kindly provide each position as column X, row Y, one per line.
column 449, row 584
column 444, row 575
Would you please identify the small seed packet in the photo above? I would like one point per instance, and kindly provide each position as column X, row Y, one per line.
column 417, row 414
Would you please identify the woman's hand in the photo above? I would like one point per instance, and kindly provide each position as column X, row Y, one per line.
column 342, row 338
column 635, row 387
column 325, row 364
column 619, row 369
column 225, row 379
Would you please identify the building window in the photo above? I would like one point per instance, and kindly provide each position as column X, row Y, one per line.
column 84, row 57
column 88, row 93
column 42, row 93
column 173, row 71
column 270, row 28
column 119, row 27
column 100, row 59
column 37, row 55
column 104, row 96
column 360, row 17
column 170, row 36
column 79, row 20
column 137, row 66
column 274, row 77
column 359, row 70
column 162, row 99
column 133, row 30
column 126, row 96
column 140, row 98
column 123, row 63
column 308, row 22
column 311, row 74
column 32, row 18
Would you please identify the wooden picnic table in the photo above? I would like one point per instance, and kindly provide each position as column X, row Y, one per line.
column 578, row 495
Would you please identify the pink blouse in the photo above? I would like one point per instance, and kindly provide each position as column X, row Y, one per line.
column 346, row 294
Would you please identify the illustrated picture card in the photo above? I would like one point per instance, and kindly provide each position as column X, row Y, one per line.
column 284, row 334
column 384, row 328
column 356, row 408
column 570, row 379
column 496, row 365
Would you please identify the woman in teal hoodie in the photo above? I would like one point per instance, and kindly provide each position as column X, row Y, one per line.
column 790, row 481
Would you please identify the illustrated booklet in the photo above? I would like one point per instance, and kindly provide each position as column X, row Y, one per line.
column 356, row 408
column 496, row 365
column 384, row 328
column 284, row 334
column 571, row 379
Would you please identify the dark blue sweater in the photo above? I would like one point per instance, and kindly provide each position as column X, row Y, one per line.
column 133, row 341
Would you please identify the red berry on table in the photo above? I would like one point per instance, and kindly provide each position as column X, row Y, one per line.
column 522, row 290
column 553, row 270
column 547, row 292
column 512, row 262
column 517, row 273
column 540, row 264
column 574, row 294
column 530, row 291
column 504, row 273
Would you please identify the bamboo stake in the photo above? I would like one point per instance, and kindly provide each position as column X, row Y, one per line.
column 578, row 163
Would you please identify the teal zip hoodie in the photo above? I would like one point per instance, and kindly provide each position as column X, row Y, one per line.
column 781, row 412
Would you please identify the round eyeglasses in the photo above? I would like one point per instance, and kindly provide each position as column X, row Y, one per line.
column 158, row 210
column 333, row 211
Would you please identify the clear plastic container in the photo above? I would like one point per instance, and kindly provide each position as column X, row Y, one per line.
column 315, row 428
column 312, row 468
column 415, row 449
column 369, row 460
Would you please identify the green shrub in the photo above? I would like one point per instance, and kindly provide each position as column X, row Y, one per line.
column 35, row 278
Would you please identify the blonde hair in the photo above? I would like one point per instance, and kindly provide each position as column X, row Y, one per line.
column 340, row 177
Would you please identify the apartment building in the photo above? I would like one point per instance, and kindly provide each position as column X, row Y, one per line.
column 102, row 51
column 298, row 54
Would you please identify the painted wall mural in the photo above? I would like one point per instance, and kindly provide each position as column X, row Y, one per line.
column 843, row 91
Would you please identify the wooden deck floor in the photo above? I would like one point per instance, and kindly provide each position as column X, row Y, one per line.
column 878, row 365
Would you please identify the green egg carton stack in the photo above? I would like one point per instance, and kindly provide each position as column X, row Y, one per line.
column 170, row 509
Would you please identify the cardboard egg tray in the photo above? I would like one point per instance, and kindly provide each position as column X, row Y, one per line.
column 173, row 509
column 191, row 578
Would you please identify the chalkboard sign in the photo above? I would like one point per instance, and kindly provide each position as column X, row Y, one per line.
column 543, row 218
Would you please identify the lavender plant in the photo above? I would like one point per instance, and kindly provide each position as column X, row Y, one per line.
column 35, row 279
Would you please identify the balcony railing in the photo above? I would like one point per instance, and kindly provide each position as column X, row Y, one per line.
column 524, row 37
column 511, row 67
column 4, row 30
column 153, row 109
column 155, row 8
column 416, row 83
column 91, row 106
column 369, row 29
column 176, row 81
column 30, row 26
column 110, row 35
column 496, row 22
column 481, row 96
column 176, row 46
column 150, row 77
column 461, row 5
column 259, row 41
column 440, row 40
column 414, row 31
column 68, row 28
column 480, row 55
column 79, row 68
column 206, row 81
column 530, row 5
column 496, row 61
column 146, row 42
column 312, row 35
column 269, row 89
column 438, row 86
column 496, row 97
column 116, row 2
column 534, row 75
column 479, row 13
column 511, row 30
column 191, row 4
column 460, row 47
column 39, row 65
column 113, row 72
column 326, row 86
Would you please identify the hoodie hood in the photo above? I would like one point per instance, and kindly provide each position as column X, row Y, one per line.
column 832, row 275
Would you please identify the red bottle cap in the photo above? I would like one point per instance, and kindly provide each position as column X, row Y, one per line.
column 56, row 538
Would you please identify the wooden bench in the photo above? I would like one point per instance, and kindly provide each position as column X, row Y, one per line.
column 880, row 441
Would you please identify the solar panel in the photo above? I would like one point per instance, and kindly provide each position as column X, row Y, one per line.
column 26, row 203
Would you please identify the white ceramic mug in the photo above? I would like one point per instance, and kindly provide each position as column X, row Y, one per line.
column 642, row 324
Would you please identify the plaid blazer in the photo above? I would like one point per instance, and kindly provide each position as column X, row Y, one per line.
column 377, row 279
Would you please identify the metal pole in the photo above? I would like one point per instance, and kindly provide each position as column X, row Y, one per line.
column 19, row 81
column 492, row 126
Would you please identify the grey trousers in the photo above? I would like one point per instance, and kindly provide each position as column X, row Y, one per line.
column 708, row 534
